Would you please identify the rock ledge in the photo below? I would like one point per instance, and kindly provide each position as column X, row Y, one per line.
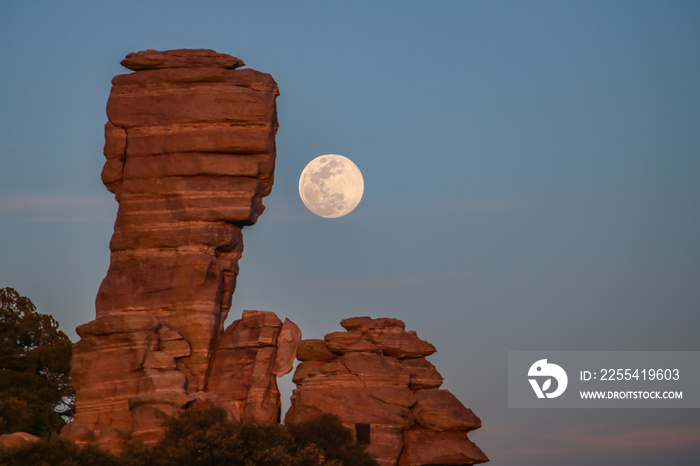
column 181, row 58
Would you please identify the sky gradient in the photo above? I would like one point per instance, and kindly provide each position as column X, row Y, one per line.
column 532, row 182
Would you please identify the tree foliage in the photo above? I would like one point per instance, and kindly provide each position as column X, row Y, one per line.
column 55, row 451
column 35, row 390
column 207, row 438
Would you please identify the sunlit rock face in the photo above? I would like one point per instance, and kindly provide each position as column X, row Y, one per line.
column 375, row 377
column 251, row 353
column 190, row 148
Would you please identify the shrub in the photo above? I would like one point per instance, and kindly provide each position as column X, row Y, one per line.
column 206, row 437
column 335, row 440
column 55, row 451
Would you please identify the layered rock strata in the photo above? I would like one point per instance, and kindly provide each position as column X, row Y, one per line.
column 376, row 379
column 190, row 149
column 250, row 355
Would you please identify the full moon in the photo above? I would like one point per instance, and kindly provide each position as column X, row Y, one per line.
column 331, row 186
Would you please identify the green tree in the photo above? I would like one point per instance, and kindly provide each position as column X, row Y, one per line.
column 35, row 391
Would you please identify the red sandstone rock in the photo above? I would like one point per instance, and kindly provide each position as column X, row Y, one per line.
column 16, row 439
column 148, row 419
column 335, row 367
column 345, row 342
column 173, row 343
column 365, row 323
column 287, row 344
column 386, row 444
column 183, row 58
column 374, row 369
column 204, row 400
column 376, row 374
column 78, row 433
column 314, row 350
column 346, row 398
column 389, row 335
column 423, row 373
column 190, row 151
column 114, row 439
column 304, row 370
column 251, row 354
column 441, row 410
column 422, row 447
column 400, row 344
column 107, row 367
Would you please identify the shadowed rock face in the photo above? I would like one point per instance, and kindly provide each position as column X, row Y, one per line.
column 190, row 148
column 376, row 374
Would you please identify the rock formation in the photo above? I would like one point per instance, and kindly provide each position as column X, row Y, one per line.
column 250, row 355
column 190, row 148
column 375, row 378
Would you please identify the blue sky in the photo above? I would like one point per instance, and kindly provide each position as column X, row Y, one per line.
column 532, row 182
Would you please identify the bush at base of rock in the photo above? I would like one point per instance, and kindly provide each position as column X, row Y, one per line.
column 55, row 451
column 336, row 441
column 206, row 438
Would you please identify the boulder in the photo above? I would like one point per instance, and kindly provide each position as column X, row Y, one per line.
column 114, row 439
column 148, row 421
column 347, row 399
column 423, row 373
column 182, row 58
column 422, row 447
column 250, row 355
column 345, row 342
column 305, row 369
column 390, row 336
column 314, row 350
column 287, row 344
column 16, row 439
column 375, row 369
column 441, row 410
column 78, row 433
column 400, row 344
column 386, row 443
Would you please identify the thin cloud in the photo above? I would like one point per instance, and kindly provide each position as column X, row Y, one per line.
column 286, row 210
column 408, row 279
column 656, row 438
column 57, row 207
column 41, row 202
column 582, row 439
column 71, row 219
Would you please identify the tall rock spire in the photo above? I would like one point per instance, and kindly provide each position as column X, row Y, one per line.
column 190, row 148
